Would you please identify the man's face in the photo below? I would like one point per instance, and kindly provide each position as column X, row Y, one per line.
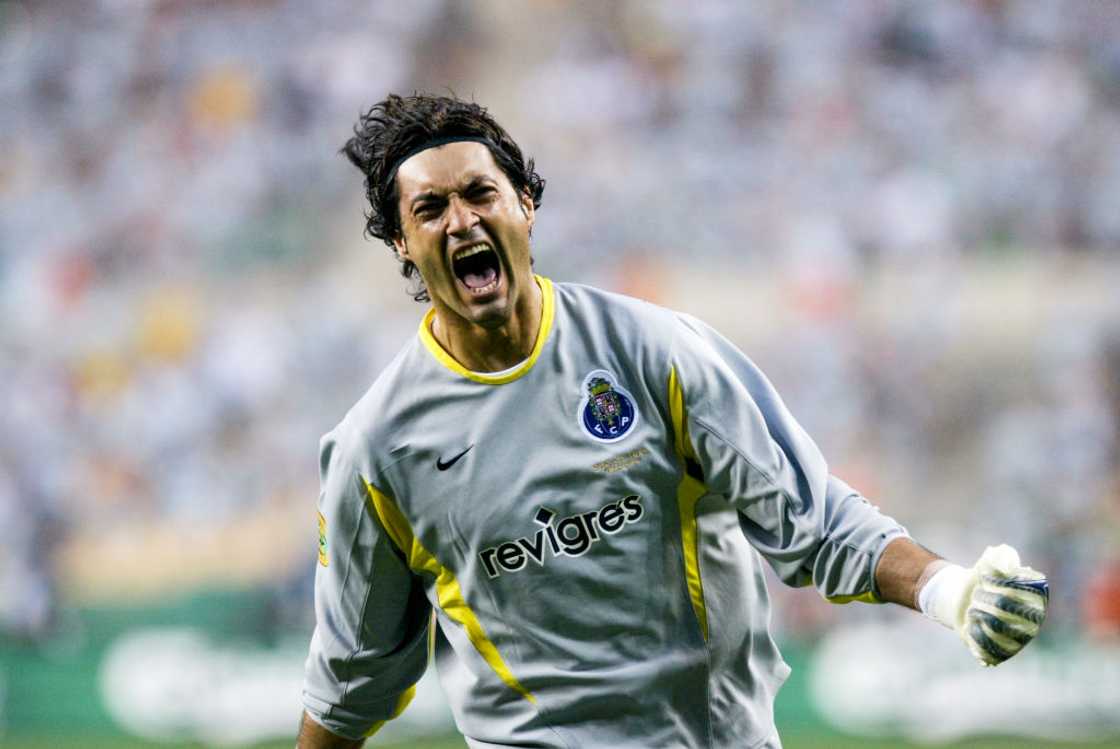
column 467, row 231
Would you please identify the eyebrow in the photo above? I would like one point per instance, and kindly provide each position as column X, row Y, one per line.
column 429, row 194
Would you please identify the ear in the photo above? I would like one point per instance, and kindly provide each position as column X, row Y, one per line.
column 401, row 247
column 526, row 201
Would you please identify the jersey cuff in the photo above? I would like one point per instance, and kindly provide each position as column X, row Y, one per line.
column 339, row 721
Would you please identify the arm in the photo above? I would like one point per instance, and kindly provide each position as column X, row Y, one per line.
column 812, row 528
column 809, row 526
column 314, row 736
column 370, row 643
column 904, row 568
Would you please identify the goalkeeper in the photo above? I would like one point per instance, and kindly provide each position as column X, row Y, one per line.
column 565, row 496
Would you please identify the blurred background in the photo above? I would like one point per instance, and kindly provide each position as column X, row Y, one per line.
column 907, row 214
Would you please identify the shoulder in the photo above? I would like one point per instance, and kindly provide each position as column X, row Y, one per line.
column 364, row 433
column 609, row 308
column 634, row 319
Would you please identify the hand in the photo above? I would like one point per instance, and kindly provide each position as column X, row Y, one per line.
column 996, row 607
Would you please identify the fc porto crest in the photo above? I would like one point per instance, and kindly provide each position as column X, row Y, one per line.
column 606, row 412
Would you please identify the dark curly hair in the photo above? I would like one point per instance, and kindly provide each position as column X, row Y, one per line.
column 394, row 127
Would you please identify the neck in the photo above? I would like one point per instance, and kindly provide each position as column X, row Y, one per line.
column 482, row 349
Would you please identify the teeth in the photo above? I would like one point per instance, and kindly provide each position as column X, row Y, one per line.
column 487, row 288
column 474, row 249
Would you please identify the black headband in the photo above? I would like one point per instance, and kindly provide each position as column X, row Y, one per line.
column 436, row 143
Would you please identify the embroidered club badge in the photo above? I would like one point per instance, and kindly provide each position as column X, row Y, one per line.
column 607, row 412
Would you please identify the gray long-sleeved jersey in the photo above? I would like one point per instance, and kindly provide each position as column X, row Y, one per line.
column 587, row 528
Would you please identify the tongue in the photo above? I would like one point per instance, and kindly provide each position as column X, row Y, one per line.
column 477, row 280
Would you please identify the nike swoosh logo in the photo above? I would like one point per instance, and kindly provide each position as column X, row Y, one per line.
column 444, row 466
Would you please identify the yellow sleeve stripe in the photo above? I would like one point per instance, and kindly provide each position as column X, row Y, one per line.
column 402, row 703
column 548, row 313
column 689, row 492
column 448, row 592
column 868, row 597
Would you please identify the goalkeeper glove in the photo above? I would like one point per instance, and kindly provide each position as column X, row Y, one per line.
column 996, row 606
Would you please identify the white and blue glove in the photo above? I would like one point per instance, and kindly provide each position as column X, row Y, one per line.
column 996, row 606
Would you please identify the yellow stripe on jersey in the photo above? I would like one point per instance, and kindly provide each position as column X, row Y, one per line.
column 689, row 492
column 402, row 703
column 448, row 592
column 548, row 312
column 868, row 597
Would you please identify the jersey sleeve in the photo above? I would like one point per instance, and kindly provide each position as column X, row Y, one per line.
column 745, row 445
column 369, row 647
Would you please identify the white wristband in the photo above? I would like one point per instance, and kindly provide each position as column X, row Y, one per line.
column 944, row 598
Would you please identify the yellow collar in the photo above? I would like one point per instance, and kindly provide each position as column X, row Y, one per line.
column 497, row 378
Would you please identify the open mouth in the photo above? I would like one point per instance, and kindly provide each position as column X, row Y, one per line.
column 477, row 268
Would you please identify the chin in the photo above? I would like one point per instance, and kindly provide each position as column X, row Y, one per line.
column 491, row 315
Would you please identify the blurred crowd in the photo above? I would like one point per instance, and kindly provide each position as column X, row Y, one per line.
column 188, row 303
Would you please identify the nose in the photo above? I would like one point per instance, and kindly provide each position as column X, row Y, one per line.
column 461, row 219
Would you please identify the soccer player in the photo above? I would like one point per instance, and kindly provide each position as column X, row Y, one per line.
column 565, row 496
